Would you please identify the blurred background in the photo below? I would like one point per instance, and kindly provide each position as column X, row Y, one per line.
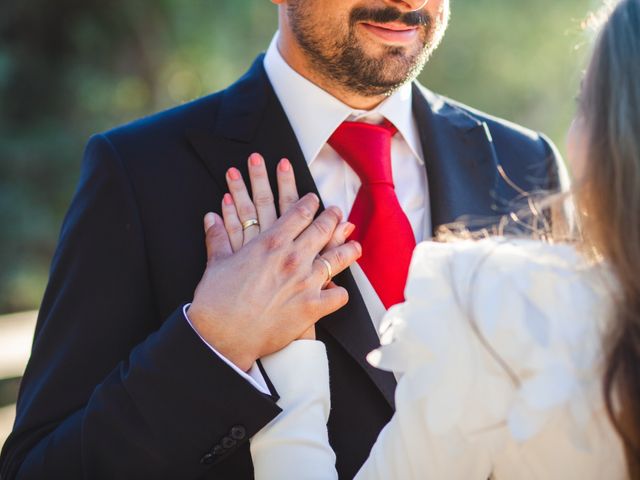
column 73, row 67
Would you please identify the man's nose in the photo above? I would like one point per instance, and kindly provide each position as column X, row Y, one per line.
column 408, row 5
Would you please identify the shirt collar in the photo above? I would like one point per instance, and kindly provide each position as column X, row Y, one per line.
column 315, row 114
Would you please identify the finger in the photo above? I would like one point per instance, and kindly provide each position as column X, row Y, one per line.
column 261, row 190
column 339, row 259
column 244, row 206
column 332, row 300
column 340, row 236
column 232, row 222
column 216, row 238
column 319, row 233
column 290, row 225
column 287, row 190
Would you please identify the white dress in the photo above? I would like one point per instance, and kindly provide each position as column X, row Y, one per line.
column 498, row 349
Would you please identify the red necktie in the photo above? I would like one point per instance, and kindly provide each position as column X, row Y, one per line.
column 382, row 227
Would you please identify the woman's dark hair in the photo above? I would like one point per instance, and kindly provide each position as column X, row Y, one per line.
column 610, row 200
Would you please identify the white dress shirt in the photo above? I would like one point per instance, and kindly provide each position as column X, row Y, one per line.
column 314, row 115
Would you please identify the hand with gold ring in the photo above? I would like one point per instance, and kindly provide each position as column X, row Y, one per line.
column 256, row 301
column 245, row 218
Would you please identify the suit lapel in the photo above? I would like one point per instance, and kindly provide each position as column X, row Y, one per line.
column 460, row 160
column 251, row 119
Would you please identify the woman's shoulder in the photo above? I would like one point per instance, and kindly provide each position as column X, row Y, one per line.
column 499, row 278
column 525, row 316
column 499, row 251
column 488, row 272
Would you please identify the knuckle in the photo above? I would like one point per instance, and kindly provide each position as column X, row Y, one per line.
column 340, row 258
column 288, row 199
column 234, row 229
column 273, row 242
column 334, row 213
column 209, row 236
column 304, row 212
column 291, row 262
column 212, row 233
column 263, row 199
column 259, row 172
column 354, row 253
column 215, row 233
column 246, row 210
column 322, row 228
column 337, row 239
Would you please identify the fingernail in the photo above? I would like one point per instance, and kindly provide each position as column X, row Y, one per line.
column 358, row 246
column 255, row 159
column 209, row 221
column 285, row 165
column 349, row 229
column 234, row 174
column 228, row 199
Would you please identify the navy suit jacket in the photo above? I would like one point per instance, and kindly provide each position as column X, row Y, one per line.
column 119, row 385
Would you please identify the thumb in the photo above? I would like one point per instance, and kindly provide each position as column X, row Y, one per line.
column 217, row 238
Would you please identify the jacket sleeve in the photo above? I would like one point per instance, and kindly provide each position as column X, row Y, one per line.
column 112, row 390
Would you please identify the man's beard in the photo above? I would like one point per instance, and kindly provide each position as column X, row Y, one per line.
column 337, row 56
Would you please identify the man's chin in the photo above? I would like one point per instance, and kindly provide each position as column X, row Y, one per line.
column 396, row 55
column 379, row 49
column 395, row 62
column 379, row 84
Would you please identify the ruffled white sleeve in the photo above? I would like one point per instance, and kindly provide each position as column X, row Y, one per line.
column 427, row 343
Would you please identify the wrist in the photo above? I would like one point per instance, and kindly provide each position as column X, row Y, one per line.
column 233, row 347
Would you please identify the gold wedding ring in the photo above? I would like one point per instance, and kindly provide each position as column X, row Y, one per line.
column 250, row 223
column 329, row 270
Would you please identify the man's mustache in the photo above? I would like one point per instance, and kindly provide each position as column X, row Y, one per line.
column 388, row 15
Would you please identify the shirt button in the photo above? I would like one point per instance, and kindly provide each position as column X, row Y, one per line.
column 228, row 442
column 238, row 432
column 207, row 459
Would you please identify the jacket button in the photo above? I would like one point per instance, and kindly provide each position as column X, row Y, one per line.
column 217, row 450
column 207, row 459
column 238, row 432
column 228, row 442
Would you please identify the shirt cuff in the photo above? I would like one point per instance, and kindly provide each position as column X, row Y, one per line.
column 253, row 376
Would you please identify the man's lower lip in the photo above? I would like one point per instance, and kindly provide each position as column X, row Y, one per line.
column 395, row 36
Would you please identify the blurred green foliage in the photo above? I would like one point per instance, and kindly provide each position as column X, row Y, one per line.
column 73, row 67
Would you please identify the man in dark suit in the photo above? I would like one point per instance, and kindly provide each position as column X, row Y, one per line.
column 124, row 382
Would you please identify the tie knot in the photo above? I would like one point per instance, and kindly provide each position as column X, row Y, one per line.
column 367, row 149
